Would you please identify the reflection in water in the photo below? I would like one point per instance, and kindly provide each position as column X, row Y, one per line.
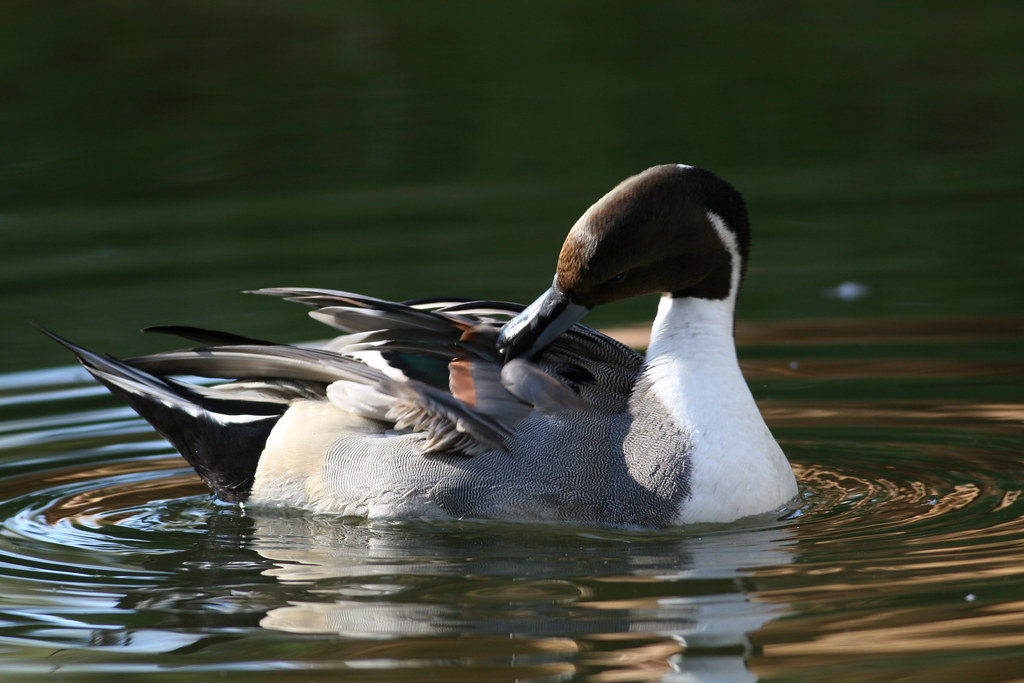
column 836, row 331
column 542, row 583
column 990, row 418
column 905, row 548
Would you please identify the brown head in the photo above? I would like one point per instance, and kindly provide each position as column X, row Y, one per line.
column 673, row 229
column 652, row 233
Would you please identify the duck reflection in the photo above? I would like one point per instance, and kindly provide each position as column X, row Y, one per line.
column 637, row 600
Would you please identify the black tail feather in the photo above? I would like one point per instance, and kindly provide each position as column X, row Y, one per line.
column 207, row 336
column 221, row 438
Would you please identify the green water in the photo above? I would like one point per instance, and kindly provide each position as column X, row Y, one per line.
column 157, row 158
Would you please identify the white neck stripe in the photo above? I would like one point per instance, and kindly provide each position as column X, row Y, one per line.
column 732, row 246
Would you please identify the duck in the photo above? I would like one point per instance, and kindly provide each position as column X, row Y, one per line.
column 444, row 408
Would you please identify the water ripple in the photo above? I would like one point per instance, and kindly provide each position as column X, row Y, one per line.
column 907, row 538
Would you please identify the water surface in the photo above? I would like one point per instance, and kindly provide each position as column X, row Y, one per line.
column 902, row 552
column 158, row 158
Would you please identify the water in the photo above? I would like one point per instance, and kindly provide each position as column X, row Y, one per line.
column 902, row 553
column 158, row 159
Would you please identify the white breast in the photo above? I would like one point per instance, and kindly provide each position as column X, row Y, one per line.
column 737, row 468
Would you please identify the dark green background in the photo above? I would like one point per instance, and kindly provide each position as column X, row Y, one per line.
column 157, row 157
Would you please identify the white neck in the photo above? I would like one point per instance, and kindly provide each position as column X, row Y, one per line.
column 737, row 467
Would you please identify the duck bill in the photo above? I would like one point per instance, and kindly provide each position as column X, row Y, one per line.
column 539, row 324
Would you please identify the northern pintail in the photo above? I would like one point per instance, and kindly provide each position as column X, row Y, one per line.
column 448, row 409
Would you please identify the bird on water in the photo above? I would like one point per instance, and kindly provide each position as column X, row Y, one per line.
column 442, row 408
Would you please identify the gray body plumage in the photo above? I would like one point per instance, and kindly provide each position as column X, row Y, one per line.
column 622, row 467
column 612, row 454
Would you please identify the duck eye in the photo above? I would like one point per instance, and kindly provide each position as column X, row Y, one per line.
column 618, row 278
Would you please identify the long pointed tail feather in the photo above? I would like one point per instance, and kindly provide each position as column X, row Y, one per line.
column 221, row 438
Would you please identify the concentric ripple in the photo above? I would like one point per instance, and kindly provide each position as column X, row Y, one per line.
column 904, row 546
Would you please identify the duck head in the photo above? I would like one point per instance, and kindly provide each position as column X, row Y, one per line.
column 673, row 229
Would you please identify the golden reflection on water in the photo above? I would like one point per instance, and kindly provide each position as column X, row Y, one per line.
column 855, row 580
column 994, row 418
column 95, row 504
column 620, row 656
column 94, row 507
column 444, row 659
column 1008, row 499
column 945, row 611
column 850, row 331
column 902, row 368
column 630, row 662
column 952, row 628
column 856, row 650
